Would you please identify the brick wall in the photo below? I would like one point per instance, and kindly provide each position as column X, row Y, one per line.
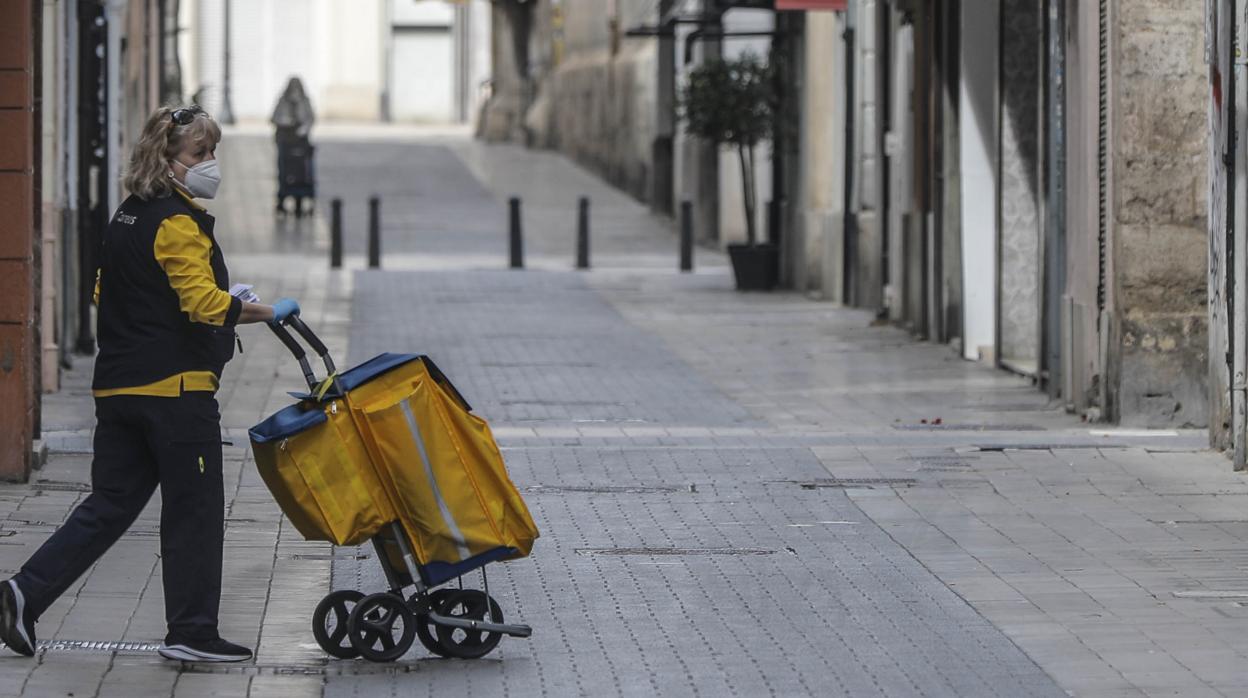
column 18, row 138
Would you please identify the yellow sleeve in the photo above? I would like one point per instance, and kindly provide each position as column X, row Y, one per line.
column 96, row 297
column 184, row 253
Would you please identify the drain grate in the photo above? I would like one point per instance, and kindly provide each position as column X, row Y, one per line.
column 96, row 646
column 558, row 403
column 997, row 448
column 324, row 556
column 862, row 482
column 144, row 532
column 928, row 463
column 686, row 552
column 330, row 669
column 60, row 486
column 1198, row 522
column 957, row 457
column 609, row 489
column 319, row 668
column 966, row 427
column 1006, row 407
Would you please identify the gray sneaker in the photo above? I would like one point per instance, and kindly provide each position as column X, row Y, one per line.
column 16, row 628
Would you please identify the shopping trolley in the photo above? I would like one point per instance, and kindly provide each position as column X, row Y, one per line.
column 390, row 452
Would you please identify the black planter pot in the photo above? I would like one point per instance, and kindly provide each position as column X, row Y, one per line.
column 756, row 267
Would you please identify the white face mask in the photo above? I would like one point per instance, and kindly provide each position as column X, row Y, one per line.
column 203, row 179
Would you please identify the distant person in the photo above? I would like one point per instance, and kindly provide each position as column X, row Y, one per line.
column 293, row 118
column 166, row 330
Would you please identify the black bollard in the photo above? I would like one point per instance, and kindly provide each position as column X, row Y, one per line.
column 582, row 235
column 374, row 233
column 773, row 222
column 335, row 234
column 686, row 235
column 517, row 235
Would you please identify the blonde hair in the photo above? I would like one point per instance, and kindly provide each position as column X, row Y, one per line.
column 147, row 177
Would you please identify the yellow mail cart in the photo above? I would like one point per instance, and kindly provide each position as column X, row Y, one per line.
column 390, row 452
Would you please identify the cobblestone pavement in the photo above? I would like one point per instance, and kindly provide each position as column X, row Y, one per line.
column 739, row 494
column 668, row 565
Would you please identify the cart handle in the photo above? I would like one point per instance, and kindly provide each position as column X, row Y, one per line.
column 297, row 349
column 315, row 387
column 313, row 341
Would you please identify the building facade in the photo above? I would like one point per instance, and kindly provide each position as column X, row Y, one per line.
column 1023, row 181
column 77, row 77
column 409, row 61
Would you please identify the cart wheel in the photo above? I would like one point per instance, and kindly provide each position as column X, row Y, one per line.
column 469, row 604
column 425, row 629
column 329, row 623
column 382, row 627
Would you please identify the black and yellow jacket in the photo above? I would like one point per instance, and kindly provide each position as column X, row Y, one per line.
column 166, row 318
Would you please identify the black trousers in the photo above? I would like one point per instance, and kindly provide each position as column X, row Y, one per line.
column 142, row 442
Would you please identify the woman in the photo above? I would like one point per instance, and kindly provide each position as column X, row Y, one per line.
column 293, row 119
column 166, row 330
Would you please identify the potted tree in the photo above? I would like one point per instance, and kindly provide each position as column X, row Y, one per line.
column 732, row 102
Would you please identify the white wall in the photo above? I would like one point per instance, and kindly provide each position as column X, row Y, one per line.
column 899, row 151
column 978, row 109
column 423, row 61
column 819, row 261
column 344, row 52
column 204, row 59
column 337, row 47
column 481, row 69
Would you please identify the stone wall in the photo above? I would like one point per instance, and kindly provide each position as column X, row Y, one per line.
column 1160, row 188
column 599, row 109
column 584, row 89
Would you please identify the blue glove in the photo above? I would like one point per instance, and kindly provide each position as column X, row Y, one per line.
column 283, row 309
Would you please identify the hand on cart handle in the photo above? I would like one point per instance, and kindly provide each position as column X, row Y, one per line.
column 283, row 310
column 286, row 314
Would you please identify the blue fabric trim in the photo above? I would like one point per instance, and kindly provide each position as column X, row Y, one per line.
column 373, row 368
column 295, row 419
column 435, row 573
column 286, row 423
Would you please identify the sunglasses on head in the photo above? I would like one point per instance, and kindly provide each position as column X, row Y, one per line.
column 186, row 115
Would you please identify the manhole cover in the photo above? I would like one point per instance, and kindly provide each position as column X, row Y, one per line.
column 692, row 552
column 608, row 489
column 863, row 482
column 1005, row 407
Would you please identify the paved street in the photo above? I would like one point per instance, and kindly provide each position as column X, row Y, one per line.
column 738, row 494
